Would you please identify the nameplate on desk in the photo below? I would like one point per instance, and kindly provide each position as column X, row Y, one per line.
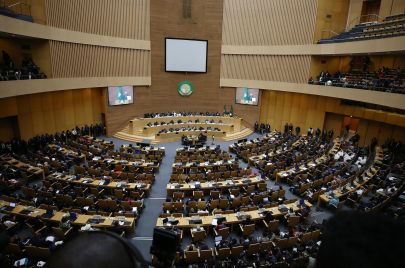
column 26, row 211
column 7, row 208
column 220, row 218
column 47, row 216
column 195, row 221
column 242, row 216
column 121, row 223
column 95, row 221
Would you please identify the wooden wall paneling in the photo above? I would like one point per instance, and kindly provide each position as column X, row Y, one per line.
column 69, row 107
column 278, row 116
column 263, row 22
column 264, row 112
column 120, row 18
column 306, row 111
column 295, row 111
column 391, row 7
column 333, row 122
column 6, row 129
column 380, row 116
column 79, row 112
column 338, row 10
column 25, row 123
column 58, row 106
column 80, row 60
column 47, row 113
column 37, row 114
column 87, row 105
column 286, row 111
column 386, row 132
column 398, row 133
column 96, row 105
column 8, row 107
column 319, row 114
column 362, row 131
column 303, row 106
column 294, row 68
column 373, row 130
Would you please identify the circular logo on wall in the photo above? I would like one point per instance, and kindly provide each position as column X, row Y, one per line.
column 185, row 88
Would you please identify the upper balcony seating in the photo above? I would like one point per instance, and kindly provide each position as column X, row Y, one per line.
column 391, row 26
column 10, row 13
column 9, row 70
column 386, row 79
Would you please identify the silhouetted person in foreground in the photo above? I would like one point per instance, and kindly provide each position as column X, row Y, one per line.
column 96, row 249
column 353, row 239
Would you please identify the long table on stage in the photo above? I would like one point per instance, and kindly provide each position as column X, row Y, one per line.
column 138, row 124
column 152, row 130
column 175, row 136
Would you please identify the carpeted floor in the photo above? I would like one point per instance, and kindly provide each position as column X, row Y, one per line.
column 153, row 203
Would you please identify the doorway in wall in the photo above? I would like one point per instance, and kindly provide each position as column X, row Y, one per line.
column 9, row 128
column 350, row 126
column 370, row 10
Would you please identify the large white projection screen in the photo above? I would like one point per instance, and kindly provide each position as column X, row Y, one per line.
column 184, row 55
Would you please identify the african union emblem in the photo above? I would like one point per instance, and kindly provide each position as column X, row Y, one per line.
column 185, row 88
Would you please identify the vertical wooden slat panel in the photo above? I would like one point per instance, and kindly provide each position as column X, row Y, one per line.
column 268, row 22
column 294, row 68
column 79, row 60
column 119, row 18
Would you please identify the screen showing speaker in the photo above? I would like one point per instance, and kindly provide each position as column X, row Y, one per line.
column 249, row 96
column 120, row 95
column 186, row 55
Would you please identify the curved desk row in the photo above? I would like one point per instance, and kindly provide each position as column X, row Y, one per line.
column 138, row 124
column 81, row 219
column 107, row 184
column 233, row 218
column 212, row 185
column 175, row 136
column 153, row 130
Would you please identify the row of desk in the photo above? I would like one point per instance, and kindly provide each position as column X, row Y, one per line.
column 81, row 220
column 67, row 152
column 356, row 184
column 137, row 164
column 310, row 165
column 206, row 164
column 348, row 188
column 176, row 135
column 206, row 186
column 268, row 137
column 140, row 123
column 17, row 164
column 103, row 183
column 106, row 144
column 233, row 218
column 254, row 159
column 152, row 130
column 147, row 150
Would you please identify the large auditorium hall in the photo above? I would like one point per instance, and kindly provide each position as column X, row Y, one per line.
column 202, row 133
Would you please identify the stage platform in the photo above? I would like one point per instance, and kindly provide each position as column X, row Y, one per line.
column 143, row 129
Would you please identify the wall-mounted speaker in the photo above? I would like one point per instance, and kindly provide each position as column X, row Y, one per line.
column 187, row 9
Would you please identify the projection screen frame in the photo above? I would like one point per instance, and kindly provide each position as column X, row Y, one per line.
column 258, row 97
column 123, row 104
column 188, row 39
